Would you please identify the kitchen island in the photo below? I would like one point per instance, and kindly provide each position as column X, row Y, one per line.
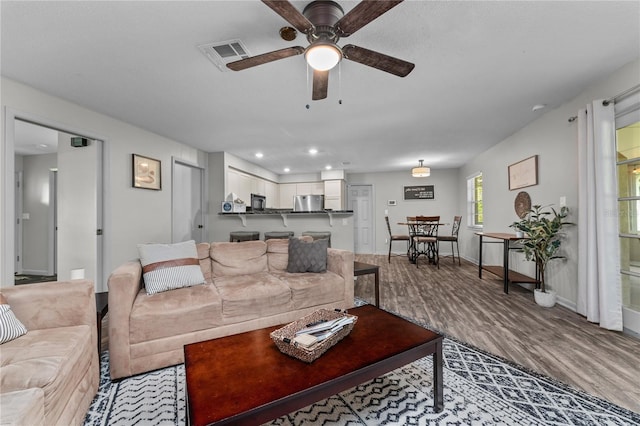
column 338, row 222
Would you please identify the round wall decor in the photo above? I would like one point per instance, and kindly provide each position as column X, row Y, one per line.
column 522, row 204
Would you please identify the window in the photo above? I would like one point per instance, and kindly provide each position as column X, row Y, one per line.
column 474, row 201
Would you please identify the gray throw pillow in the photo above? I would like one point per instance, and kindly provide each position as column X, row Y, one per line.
column 307, row 256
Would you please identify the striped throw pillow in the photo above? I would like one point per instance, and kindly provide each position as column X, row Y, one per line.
column 10, row 326
column 170, row 266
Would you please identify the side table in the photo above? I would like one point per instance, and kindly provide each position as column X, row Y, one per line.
column 102, row 307
column 360, row 268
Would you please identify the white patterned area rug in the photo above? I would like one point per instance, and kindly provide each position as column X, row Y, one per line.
column 479, row 389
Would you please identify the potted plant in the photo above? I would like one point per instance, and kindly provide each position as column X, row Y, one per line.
column 541, row 227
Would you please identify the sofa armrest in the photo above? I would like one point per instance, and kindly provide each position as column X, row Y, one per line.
column 341, row 262
column 124, row 285
column 54, row 304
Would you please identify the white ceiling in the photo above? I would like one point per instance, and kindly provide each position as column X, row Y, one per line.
column 480, row 68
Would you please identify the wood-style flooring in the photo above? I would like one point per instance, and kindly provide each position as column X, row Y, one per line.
column 553, row 341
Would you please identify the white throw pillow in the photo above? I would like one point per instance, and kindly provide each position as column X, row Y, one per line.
column 170, row 266
column 10, row 326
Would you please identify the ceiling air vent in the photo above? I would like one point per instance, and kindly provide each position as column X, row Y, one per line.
column 224, row 52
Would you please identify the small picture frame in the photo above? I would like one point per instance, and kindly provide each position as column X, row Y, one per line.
column 523, row 173
column 146, row 173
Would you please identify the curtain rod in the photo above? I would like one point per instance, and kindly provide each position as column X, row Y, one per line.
column 606, row 102
column 635, row 88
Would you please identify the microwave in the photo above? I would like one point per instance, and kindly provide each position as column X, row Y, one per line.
column 258, row 202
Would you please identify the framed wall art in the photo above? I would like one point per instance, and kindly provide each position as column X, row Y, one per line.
column 523, row 173
column 146, row 172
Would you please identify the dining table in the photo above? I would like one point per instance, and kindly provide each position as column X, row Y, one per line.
column 414, row 231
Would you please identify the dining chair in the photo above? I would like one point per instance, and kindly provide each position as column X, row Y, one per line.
column 396, row 237
column 453, row 238
column 426, row 240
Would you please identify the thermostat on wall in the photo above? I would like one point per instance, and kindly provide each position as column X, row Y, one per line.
column 391, row 202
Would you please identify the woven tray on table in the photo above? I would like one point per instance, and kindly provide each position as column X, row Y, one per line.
column 283, row 337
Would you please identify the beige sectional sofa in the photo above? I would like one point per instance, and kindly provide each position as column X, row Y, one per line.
column 50, row 375
column 247, row 287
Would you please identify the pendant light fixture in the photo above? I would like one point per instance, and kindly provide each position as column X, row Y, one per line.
column 421, row 170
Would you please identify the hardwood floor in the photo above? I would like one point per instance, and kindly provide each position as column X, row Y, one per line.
column 553, row 341
column 556, row 342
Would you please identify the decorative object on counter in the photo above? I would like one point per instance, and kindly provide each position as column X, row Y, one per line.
column 543, row 230
column 522, row 204
column 322, row 337
column 146, row 173
column 238, row 236
column 523, row 173
column 233, row 204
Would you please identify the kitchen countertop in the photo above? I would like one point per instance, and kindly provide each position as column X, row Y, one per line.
column 285, row 211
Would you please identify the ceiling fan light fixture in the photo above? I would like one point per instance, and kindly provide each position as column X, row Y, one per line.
column 421, row 171
column 323, row 56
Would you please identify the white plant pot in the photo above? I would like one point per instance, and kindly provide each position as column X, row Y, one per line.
column 545, row 299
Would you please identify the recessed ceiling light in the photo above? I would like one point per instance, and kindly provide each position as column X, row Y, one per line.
column 43, row 145
column 287, row 170
column 313, row 151
column 538, row 107
column 259, row 155
column 327, row 167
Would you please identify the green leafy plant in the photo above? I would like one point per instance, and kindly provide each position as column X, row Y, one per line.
column 542, row 226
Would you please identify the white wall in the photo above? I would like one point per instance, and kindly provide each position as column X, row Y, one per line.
column 132, row 215
column 554, row 139
column 36, row 203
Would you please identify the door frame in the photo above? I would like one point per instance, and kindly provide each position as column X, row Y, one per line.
column 203, row 191
column 7, row 206
column 372, row 232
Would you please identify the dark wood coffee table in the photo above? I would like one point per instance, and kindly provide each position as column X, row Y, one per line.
column 245, row 380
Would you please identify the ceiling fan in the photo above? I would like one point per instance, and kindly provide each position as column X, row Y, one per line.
column 324, row 23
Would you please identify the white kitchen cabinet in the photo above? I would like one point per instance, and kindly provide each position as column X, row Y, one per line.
column 287, row 192
column 334, row 194
column 272, row 192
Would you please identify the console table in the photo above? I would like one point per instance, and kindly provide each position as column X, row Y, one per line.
column 510, row 276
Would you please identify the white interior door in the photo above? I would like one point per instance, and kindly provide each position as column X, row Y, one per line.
column 361, row 202
column 187, row 216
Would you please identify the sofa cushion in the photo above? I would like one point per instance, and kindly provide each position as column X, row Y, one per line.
column 231, row 259
column 23, row 407
column 10, row 326
column 246, row 297
column 54, row 359
column 307, row 256
column 176, row 312
column 170, row 266
column 278, row 253
column 311, row 289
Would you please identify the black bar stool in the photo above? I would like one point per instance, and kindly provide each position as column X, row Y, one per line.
column 238, row 236
column 279, row 235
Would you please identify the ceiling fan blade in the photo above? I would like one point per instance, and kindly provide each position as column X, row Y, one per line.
column 291, row 15
column 363, row 13
column 253, row 61
column 377, row 60
column 320, row 85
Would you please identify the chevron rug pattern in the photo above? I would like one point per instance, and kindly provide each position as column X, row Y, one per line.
column 479, row 389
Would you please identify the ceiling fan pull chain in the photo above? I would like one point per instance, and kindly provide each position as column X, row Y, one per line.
column 340, row 83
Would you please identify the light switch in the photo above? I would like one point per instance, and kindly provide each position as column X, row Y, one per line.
column 26, row 216
column 386, row 212
column 563, row 201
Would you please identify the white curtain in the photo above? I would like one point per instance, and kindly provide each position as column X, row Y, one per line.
column 599, row 284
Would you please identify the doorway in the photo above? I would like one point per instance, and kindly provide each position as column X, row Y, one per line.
column 187, row 199
column 360, row 200
column 56, row 240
